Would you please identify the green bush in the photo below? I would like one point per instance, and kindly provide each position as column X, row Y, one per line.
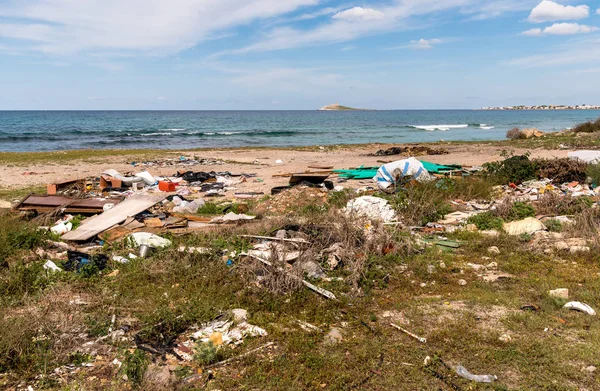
column 486, row 221
column 135, row 365
column 515, row 169
column 588, row 127
column 593, row 172
column 553, row 225
column 520, row 211
column 16, row 235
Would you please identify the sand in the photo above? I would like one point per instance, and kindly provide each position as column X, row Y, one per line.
column 257, row 161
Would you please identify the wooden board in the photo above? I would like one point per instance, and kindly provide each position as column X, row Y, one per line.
column 130, row 207
column 153, row 222
column 115, row 234
column 48, row 203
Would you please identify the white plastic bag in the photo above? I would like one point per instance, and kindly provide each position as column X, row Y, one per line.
column 390, row 175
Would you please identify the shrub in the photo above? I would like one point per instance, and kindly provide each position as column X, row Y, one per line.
column 135, row 365
column 516, row 169
column 486, row 221
column 515, row 134
column 17, row 235
column 562, row 170
column 593, row 172
column 520, row 211
column 587, row 127
column 556, row 204
column 205, row 353
column 422, row 203
column 553, row 225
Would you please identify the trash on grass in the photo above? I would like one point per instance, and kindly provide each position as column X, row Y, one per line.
column 374, row 208
column 232, row 217
column 464, row 373
column 578, row 306
column 529, row 226
column 49, row 265
column 149, row 239
column 390, row 175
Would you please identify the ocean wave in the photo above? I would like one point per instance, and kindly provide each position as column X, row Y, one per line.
column 443, row 128
column 486, row 127
column 172, row 129
column 156, row 134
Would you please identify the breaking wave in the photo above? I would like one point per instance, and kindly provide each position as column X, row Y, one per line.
column 443, row 128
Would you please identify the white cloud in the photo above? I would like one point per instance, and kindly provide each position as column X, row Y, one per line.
column 346, row 26
column 569, row 29
column 561, row 29
column 549, row 11
column 359, row 13
column 533, row 33
column 598, row 11
column 148, row 26
column 425, row 43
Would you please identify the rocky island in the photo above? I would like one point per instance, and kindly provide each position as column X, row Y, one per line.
column 337, row 107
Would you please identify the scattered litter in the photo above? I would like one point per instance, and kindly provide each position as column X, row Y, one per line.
column 561, row 293
column 232, row 217
column 392, row 175
column 529, row 226
column 462, row 372
column 308, row 327
column 373, row 208
column 120, row 259
column 149, row 239
column 578, row 306
column 49, row 265
column 62, row 228
column 530, row 307
column 585, row 156
column 412, row 150
column 76, row 260
column 194, row 250
column 420, row 339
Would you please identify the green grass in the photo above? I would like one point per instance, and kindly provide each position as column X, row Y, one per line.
column 162, row 296
column 14, row 194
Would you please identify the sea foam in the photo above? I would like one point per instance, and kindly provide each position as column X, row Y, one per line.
column 444, row 128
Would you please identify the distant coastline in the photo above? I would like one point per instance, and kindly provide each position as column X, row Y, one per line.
column 544, row 107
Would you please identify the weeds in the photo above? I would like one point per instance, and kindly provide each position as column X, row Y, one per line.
column 554, row 204
column 587, row 127
column 16, row 235
column 134, row 365
column 486, row 221
column 553, row 225
column 593, row 172
column 206, row 353
column 520, row 211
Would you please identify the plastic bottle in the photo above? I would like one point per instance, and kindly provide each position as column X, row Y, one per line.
column 462, row 372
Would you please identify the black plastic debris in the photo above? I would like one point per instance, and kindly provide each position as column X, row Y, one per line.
column 77, row 260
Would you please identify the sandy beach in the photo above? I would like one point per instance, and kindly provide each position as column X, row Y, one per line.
column 247, row 160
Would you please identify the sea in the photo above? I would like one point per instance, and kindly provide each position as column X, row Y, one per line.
column 62, row 130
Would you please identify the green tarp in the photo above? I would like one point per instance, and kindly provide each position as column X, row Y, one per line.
column 370, row 172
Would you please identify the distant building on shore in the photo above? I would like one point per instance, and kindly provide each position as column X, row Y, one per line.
column 545, row 107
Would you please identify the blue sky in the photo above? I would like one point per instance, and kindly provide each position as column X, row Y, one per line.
column 297, row 54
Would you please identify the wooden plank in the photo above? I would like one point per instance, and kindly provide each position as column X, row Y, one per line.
column 115, row 234
column 191, row 217
column 130, row 207
column 153, row 222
